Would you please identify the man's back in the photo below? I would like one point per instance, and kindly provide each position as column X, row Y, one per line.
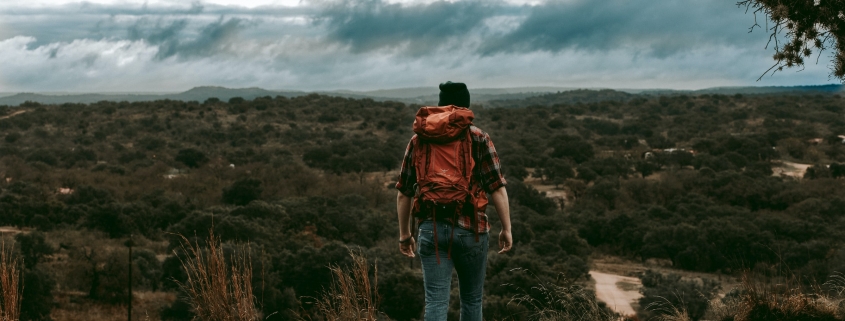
column 461, row 238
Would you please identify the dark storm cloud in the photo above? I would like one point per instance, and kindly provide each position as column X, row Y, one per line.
column 663, row 28
column 128, row 9
column 88, row 8
column 172, row 40
column 76, row 21
column 373, row 24
column 319, row 45
column 655, row 28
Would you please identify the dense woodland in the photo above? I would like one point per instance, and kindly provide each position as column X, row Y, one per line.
column 301, row 180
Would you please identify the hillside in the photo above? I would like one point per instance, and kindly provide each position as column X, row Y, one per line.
column 494, row 97
column 301, row 178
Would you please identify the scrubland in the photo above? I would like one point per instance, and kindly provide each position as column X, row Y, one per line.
column 298, row 183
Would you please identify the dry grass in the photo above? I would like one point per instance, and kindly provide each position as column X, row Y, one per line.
column 11, row 285
column 770, row 303
column 783, row 302
column 666, row 311
column 352, row 295
column 218, row 291
column 563, row 301
column 76, row 306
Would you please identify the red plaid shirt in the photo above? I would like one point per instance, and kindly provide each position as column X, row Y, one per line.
column 487, row 172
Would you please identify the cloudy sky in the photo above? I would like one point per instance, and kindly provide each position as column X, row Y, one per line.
column 169, row 45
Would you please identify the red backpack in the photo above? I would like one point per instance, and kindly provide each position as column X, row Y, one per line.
column 443, row 159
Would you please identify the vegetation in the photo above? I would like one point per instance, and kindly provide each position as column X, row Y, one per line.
column 352, row 295
column 10, row 285
column 691, row 180
column 807, row 25
column 670, row 295
column 218, row 290
column 562, row 300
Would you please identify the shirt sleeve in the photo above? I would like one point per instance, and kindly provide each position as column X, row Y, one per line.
column 407, row 175
column 488, row 169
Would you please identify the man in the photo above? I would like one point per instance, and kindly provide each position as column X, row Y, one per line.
column 451, row 238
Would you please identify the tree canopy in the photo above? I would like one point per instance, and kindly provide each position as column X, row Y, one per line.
column 808, row 26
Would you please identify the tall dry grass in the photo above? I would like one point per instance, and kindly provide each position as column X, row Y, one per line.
column 11, row 285
column 666, row 311
column 218, row 291
column 353, row 296
column 781, row 302
column 563, row 301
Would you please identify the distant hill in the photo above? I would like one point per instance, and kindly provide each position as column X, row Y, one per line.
column 419, row 95
column 830, row 88
column 493, row 97
column 418, row 92
column 430, row 95
column 198, row 94
column 565, row 97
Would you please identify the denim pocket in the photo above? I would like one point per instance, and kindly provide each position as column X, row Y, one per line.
column 426, row 246
column 472, row 247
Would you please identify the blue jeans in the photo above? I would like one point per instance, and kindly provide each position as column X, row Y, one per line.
column 469, row 259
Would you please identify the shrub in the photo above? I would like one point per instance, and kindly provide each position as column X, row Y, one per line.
column 12, row 137
column 571, row 147
column 401, row 298
column 191, row 157
column 33, row 248
column 242, row 191
column 151, row 143
column 44, row 156
column 562, row 301
column 670, row 294
column 782, row 303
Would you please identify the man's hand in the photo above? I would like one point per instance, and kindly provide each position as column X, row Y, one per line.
column 403, row 208
column 505, row 241
column 408, row 248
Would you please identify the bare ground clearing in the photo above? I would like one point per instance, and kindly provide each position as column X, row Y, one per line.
column 17, row 112
column 550, row 189
column 617, row 280
column 619, row 292
column 785, row 168
column 10, row 230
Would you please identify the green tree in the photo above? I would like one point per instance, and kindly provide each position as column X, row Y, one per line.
column 572, row 147
column 807, row 26
column 557, row 171
column 605, row 191
column 33, row 247
column 37, row 298
column 817, row 171
column 401, row 298
column 646, row 168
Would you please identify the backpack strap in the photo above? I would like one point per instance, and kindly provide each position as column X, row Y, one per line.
column 468, row 168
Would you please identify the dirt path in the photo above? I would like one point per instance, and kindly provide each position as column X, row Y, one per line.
column 551, row 191
column 17, row 112
column 10, row 230
column 619, row 292
column 618, row 284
